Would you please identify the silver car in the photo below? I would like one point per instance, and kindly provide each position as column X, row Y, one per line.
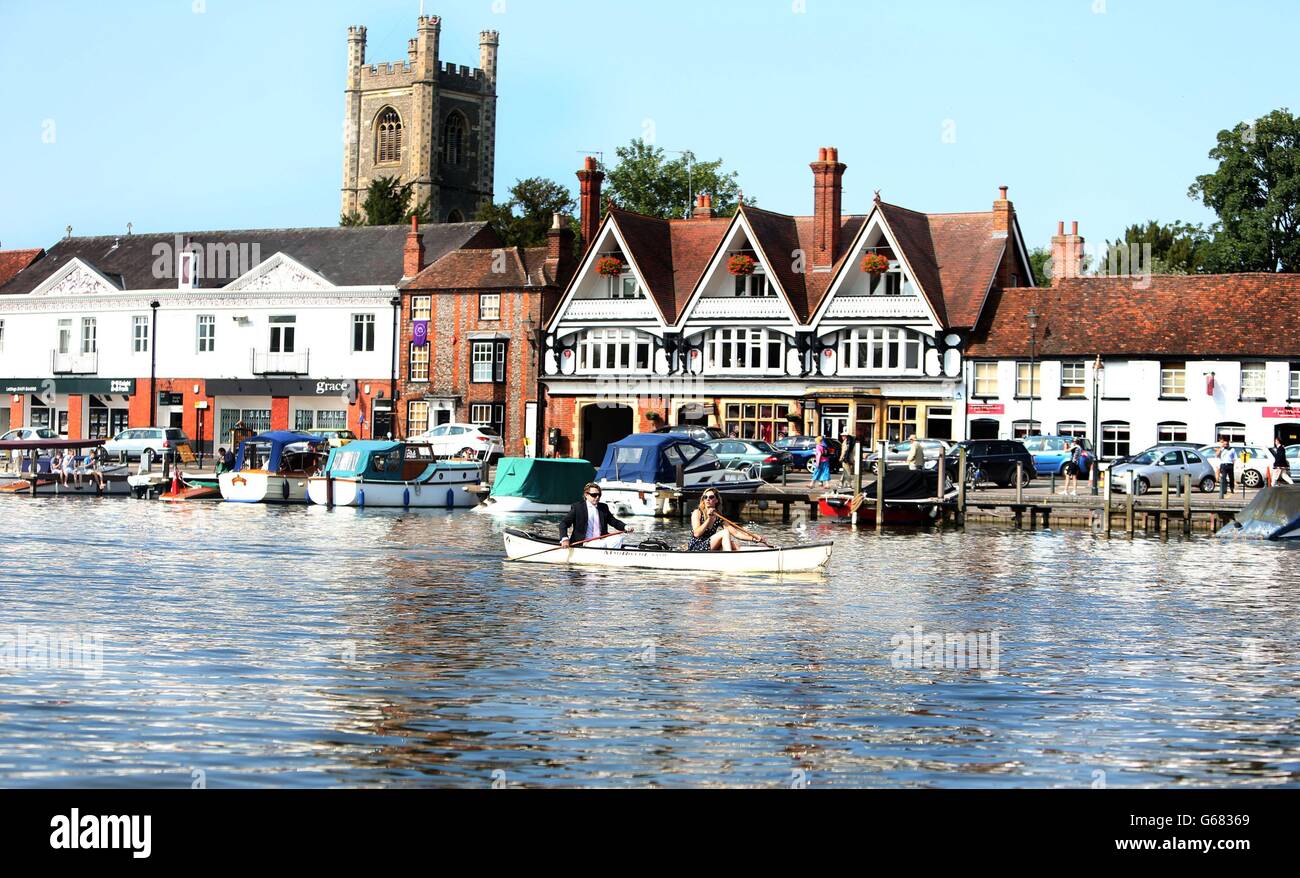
column 1148, row 469
column 896, row 455
column 157, row 442
column 1251, row 465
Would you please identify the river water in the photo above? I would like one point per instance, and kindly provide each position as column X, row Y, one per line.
column 228, row 645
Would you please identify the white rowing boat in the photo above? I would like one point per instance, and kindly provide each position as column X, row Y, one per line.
column 521, row 546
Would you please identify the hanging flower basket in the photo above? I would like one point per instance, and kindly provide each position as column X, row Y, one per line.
column 741, row 265
column 875, row 263
column 609, row 266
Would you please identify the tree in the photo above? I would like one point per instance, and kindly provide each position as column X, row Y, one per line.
column 1176, row 248
column 1256, row 193
column 646, row 181
column 524, row 220
column 388, row 203
column 1038, row 258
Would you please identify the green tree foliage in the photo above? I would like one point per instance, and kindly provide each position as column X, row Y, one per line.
column 524, row 220
column 646, row 181
column 388, row 203
column 1176, row 248
column 1256, row 193
column 1038, row 258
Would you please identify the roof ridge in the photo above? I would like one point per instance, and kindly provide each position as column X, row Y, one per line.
column 341, row 229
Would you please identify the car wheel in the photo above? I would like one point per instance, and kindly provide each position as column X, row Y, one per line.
column 810, row 466
column 873, row 467
column 1207, row 485
column 1141, row 486
column 148, row 454
column 1251, row 479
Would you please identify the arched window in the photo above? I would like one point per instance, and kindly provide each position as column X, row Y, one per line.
column 1114, row 439
column 1233, row 431
column 455, row 217
column 1171, row 431
column 1072, row 429
column 453, row 139
column 388, row 136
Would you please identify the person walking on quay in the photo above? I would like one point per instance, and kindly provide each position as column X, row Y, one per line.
column 1281, row 469
column 1072, row 468
column 589, row 519
column 915, row 454
column 848, row 447
column 821, row 462
column 1227, row 467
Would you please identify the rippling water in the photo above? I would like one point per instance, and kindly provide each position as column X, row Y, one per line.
column 260, row 646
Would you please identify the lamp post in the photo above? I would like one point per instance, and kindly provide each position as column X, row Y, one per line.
column 1033, row 356
column 153, row 364
column 396, row 302
column 1097, row 368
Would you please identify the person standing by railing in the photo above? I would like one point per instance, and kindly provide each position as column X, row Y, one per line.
column 1281, row 468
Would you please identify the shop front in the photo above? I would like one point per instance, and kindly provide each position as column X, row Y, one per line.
column 303, row 404
column 76, row 408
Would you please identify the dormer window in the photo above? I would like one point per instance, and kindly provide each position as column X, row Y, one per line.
column 624, row 286
column 755, row 284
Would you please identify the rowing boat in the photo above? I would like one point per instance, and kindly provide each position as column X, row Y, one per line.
column 522, row 546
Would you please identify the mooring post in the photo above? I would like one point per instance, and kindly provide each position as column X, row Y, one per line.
column 881, row 467
column 1020, row 483
column 1162, row 522
column 1106, row 499
column 941, row 491
column 1129, row 522
column 961, row 485
column 1187, row 503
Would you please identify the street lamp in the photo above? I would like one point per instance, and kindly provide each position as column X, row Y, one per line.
column 153, row 365
column 1097, row 368
column 1033, row 354
column 396, row 302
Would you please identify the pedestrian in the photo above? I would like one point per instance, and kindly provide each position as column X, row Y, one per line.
column 95, row 471
column 848, row 448
column 221, row 461
column 1281, row 468
column 1073, row 466
column 1227, row 467
column 915, row 454
column 821, row 462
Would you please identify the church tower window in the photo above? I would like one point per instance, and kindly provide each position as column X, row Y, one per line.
column 453, row 139
column 388, row 136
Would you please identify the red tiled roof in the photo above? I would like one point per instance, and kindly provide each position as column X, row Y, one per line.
column 1207, row 315
column 968, row 257
column 14, row 261
column 480, row 269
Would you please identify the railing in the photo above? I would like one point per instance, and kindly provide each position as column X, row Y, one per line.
column 609, row 309
column 876, row 306
column 74, row 364
column 726, row 307
column 270, row 363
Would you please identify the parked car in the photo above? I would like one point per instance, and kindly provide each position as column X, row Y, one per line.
column 1252, row 465
column 1052, row 453
column 1147, row 470
column 157, row 442
column 1293, row 461
column 770, row 461
column 25, row 433
column 337, row 437
column 896, row 455
column 802, row 448
column 463, row 440
column 996, row 459
column 693, row 431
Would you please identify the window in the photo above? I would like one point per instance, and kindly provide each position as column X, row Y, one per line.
column 89, row 331
column 140, row 334
column 755, row 284
column 760, row 419
column 257, row 420
column 614, row 350
column 306, row 420
column 489, row 306
column 986, row 379
column 421, row 307
column 65, row 336
column 900, row 422
column 1021, row 429
column 1114, row 438
column 488, row 361
column 1028, row 380
column 1252, row 381
column 453, row 139
column 1073, row 374
column 745, row 350
column 1171, row 431
column 363, row 333
column 1292, row 394
column 1072, row 429
column 489, row 415
column 880, row 349
column 417, row 417
column 418, row 369
column 1173, row 380
column 283, row 330
column 2, row 336
column 1233, row 431
column 623, row 287
column 480, row 414
column 207, row 331
column 938, row 423
column 388, row 136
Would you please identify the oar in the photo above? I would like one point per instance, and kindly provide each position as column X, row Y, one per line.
column 569, row 546
column 755, row 537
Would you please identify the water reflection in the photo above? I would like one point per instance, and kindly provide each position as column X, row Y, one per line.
column 283, row 647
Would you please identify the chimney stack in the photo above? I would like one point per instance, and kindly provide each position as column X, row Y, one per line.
column 559, row 248
column 827, row 191
column 590, row 178
column 1067, row 253
column 413, row 254
column 703, row 207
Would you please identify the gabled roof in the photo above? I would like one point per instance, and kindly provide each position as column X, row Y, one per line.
column 14, row 261
column 1204, row 315
column 343, row 255
column 478, row 269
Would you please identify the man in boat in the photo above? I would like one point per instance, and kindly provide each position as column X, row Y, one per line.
column 588, row 520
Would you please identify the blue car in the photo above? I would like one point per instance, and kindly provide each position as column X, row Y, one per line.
column 1051, row 453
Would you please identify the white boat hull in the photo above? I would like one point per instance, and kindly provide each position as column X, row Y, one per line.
column 799, row 559
column 510, row 505
column 401, row 495
column 261, row 487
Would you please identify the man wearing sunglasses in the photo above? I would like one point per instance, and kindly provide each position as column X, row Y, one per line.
column 589, row 519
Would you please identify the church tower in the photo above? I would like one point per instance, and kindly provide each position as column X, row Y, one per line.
column 428, row 123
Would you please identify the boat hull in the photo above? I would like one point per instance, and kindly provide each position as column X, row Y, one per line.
column 400, row 495
column 495, row 505
column 48, row 487
column 800, row 559
column 261, row 487
column 840, row 506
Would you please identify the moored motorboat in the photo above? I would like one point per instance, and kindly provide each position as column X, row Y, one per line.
column 273, row 468
column 28, row 469
column 637, row 468
column 911, row 498
column 1273, row 514
column 523, row 546
column 393, row 474
column 537, row 485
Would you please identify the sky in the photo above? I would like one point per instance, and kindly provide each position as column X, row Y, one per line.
column 179, row 115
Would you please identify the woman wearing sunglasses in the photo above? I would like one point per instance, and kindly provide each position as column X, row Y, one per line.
column 589, row 519
column 709, row 533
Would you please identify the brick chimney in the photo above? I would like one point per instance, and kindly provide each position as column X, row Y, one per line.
column 1067, row 253
column 827, row 189
column 413, row 254
column 559, row 248
column 703, row 207
column 589, row 201
column 1002, row 213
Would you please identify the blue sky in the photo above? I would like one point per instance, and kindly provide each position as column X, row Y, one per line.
column 153, row 113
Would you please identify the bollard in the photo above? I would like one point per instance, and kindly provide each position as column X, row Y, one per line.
column 1163, row 521
column 940, row 492
column 1020, row 483
column 1053, row 483
column 857, row 486
column 1128, row 506
column 882, row 466
column 961, row 485
column 1187, row 503
column 1106, row 500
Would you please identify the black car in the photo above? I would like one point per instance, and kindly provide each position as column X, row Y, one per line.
column 996, row 459
column 692, row 431
column 801, row 449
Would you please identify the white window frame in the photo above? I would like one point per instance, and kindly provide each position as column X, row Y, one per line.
column 282, row 334
column 481, row 414
column 756, row 285
column 417, row 369
column 1072, row 429
column 2, row 336
column 1116, row 439
column 1258, row 381
column 1032, row 374
column 1171, row 431
column 65, row 335
column 615, row 349
column 1293, row 382
column 1173, row 380
column 481, row 362
column 489, row 306
column 421, row 307
column 417, row 423
column 1074, row 379
column 89, row 335
column 140, row 340
column 366, row 323
column 986, row 384
column 885, row 350
column 762, row 350
column 206, row 342
column 1233, row 431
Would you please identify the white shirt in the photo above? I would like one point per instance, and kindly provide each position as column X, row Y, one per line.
column 593, row 521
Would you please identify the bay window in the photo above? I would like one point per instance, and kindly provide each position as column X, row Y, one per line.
column 614, row 350
column 745, row 350
column 880, row 349
column 488, row 362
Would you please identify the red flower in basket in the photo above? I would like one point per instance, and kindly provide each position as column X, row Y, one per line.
column 741, row 265
column 609, row 266
column 875, row 263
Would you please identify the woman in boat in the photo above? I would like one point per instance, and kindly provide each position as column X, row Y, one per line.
column 709, row 533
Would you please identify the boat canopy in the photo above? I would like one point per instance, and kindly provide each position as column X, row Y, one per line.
column 269, row 448
column 905, row 484
column 542, row 479
column 368, row 459
column 654, row 457
column 1274, row 514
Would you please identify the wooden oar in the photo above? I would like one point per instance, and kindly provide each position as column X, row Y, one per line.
column 615, row 533
column 754, row 537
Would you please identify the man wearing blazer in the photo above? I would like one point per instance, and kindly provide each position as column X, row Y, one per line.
column 589, row 518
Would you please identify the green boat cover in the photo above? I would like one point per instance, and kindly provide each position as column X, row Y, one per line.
column 542, row 479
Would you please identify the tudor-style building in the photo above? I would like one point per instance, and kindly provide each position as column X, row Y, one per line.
column 657, row 326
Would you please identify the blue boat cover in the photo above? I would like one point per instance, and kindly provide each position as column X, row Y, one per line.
column 277, row 439
column 653, row 457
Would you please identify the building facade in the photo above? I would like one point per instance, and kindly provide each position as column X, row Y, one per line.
column 764, row 323
column 428, row 123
